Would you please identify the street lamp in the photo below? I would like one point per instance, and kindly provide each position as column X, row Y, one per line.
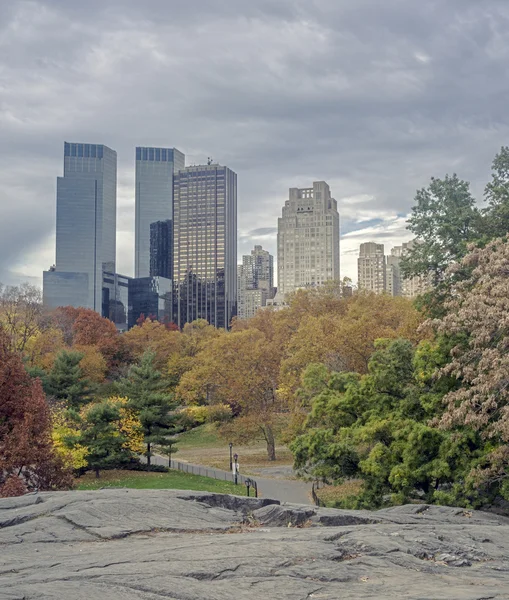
column 236, row 467
column 231, row 456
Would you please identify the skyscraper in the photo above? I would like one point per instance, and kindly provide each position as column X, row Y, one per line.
column 205, row 244
column 155, row 168
column 308, row 239
column 86, row 227
column 371, row 267
column 255, row 282
column 161, row 249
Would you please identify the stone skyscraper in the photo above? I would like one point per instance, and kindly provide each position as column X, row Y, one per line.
column 308, row 239
column 85, row 227
column 155, row 168
column 371, row 266
column 205, row 244
column 255, row 282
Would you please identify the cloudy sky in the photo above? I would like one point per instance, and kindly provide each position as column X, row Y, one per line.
column 373, row 97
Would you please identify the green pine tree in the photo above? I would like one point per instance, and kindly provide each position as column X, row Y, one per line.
column 66, row 383
column 101, row 436
column 147, row 391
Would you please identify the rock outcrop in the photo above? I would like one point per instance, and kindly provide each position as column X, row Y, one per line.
column 155, row 544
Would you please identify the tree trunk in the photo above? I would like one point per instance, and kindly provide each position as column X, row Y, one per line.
column 271, row 443
column 97, row 474
column 148, row 454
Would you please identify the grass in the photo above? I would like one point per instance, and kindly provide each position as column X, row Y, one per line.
column 140, row 480
column 203, row 446
column 332, row 494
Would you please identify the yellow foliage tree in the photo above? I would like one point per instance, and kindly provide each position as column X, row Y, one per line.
column 93, row 364
column 130, row 425
column 64, row 428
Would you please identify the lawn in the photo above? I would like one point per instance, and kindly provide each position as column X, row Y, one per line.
column 203, row 446
column 173, row 480
column 333, row 494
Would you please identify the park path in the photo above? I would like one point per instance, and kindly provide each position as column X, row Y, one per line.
column 284, row 490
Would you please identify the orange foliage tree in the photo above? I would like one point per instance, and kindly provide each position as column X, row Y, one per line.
column 27, row 457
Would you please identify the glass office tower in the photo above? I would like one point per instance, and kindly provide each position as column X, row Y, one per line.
column 205, row 245
column 161, row 249
column 155, row 168
column 86, row 227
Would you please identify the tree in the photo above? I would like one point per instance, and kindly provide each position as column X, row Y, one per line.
column 27, row 457
column 147, row 393
column 477, row 320
column 20, row 310
column 66, row 383
column 240, row 369
column 496, row 215
column 152, row 335
column 376, row 428
column 444, row 220
column 101, row 436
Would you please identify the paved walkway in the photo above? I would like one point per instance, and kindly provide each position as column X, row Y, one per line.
column 284, row 490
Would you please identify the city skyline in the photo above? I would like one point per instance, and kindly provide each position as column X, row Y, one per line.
column 373, row 98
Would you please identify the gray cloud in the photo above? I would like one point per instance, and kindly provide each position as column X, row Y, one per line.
column 372, row 97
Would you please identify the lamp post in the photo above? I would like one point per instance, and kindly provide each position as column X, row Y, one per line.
column 236, row 467
column 231, row 456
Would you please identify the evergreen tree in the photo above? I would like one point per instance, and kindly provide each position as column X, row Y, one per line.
column 101, row 436
column 66, row 383
column 496, row 215
column 147, row 393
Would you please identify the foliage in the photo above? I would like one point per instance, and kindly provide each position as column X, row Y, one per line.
column 496, row 215
column 20, row 309
column 66, row 382
column 444, row 220
column 240, row 369
column 101, row 435
column 477, row 317
column 27, row 458
column 65, row 429
column 148, row 396
column 129, row 424
column 376, row 428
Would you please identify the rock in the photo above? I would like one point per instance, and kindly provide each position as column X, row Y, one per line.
column 150, row 544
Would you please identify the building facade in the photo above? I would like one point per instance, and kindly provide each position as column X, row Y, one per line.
column 205, row 245
column 255, row 282
column 155, row 168
column 85, row 227
column 308, row 239
column 161, row 249
column 393, row 278
column 115, row 299
column 371, row 267
column 150, row 297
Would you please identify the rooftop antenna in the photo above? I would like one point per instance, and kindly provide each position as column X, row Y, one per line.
column 209, row 161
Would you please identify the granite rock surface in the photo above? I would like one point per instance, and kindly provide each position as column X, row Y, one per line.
column 164, row 544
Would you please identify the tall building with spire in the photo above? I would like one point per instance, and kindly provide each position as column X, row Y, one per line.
column 85, row 227
column 205, row 245
column 308, row 239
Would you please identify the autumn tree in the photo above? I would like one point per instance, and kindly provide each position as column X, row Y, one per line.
column 149, row 398
column 27, row 457
column 477, row 319
column 240, row 369
column 20, row 310
column 154, row 336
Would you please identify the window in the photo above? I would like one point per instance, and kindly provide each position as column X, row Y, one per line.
column 80, row 150
column 138, row 153
column 151, row 153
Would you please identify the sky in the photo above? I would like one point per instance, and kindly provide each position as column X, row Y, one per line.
column 373, row 97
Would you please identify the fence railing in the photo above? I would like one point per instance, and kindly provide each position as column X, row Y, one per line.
column 185, row 467
column 314, row 488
